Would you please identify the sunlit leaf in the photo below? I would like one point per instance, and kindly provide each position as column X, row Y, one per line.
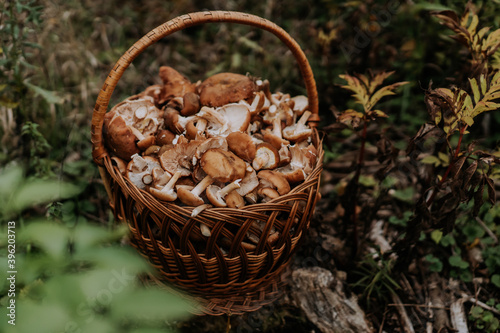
column 49, row 236
column 42, row 191
column 49, row 96
column 431, row 159
column 436, row 236
column 150, row 306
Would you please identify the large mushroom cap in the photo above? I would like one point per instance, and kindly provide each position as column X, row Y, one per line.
column 242, row 145
column 174, row 84
column 223, row 165
column 224, row 88
column 128, row 122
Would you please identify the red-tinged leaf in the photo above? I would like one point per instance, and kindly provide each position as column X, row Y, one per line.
column 377, row 80
column 378, row 114
column 468, row 173
column 492, row 196
column 351, row 118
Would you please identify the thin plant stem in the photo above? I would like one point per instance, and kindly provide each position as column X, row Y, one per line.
column 430, row 200
column 361, row 160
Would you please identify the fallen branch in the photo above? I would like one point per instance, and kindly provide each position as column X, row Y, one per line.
column 481, row 304
column 403, row 316
column 458, row 316
column 322, row 298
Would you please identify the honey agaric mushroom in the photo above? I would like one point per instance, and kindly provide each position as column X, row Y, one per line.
column 301, row 103
column 167, row 192
column 242, row 145
column 164, row 137
column 234, row 200
column 237, row 117
column 299, row 131
column 139, row 170
column 216, row 194
column 266, row 157
column 174, row 84
column 174, row 121
column 130, row 121
column 195, row 129
column 216, row 122
column 267, row 194
column 178, row 156
column 191, row 104
column 160, row 177
column 224, row 88
column 154, row 92
column 204, row 145
column 275, row 180
column 285, row 155
column 248, row 183
column 252, row 197
column 192, row 196
column 120, row 164
column 274, row 136
column 223, row 165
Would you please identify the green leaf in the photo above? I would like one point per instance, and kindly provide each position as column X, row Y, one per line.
column 456, row 261
column 495, row 279
column 51, row 237
column 42, row 191
column 435, row 265
column 447, row 240
column 431, row 159
column 150, row 306
column 476, row 311
column 436, row 236
column 49, row 96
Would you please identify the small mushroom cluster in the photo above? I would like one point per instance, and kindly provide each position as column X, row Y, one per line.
column 227, row 141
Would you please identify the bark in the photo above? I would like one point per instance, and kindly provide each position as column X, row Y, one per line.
column 322, row 298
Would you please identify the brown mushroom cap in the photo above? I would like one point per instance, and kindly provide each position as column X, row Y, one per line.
column 274, row 179
column 242, row 145
column 216, row 194
column 135, row 119
column 266, row 157
column 191, row 104
column 224, row 88
column 234, row 200
column 164, row 137
column 192, row 196
column 119, row 138
column 174, row 84
column 179, row 156
column 223, row 165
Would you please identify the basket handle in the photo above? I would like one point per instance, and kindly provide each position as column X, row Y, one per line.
column 180, row 23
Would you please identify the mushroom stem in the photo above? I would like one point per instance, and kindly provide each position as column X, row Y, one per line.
column 205, row 182
column 201, row 125
column 277, row 127
column 229, row 188
column 302, row 121
column 260, row 161
column 137, row 133
column 171, row 183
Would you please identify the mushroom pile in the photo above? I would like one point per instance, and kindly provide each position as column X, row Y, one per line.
column 226, row 142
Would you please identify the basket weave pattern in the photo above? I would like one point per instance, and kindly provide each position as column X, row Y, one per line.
column 217, row 268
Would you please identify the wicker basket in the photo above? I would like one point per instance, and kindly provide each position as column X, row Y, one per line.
column 230, row 281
